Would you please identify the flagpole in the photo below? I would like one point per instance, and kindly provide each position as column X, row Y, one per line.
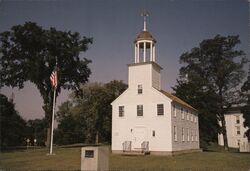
column 52, row 123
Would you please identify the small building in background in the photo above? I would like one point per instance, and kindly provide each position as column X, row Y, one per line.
column 147, row 119
column 235, row 131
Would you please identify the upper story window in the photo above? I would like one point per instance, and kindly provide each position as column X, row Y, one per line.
column 139, row 110
column 191, row 118
column 182, row 114
column 174, row 110
column 187, row 115
column 139, row 89
column 238, row 130
column 237, row 119
column 121, row 111
column 160, row 109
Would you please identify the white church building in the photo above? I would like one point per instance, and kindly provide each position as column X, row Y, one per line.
column 147, row 119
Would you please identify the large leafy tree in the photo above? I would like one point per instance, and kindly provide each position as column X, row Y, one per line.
column 12, row 125
column 215, row 69
column 29, row 53
column 87, row 118
column 246, row 109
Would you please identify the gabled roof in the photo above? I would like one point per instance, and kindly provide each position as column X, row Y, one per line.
column 177, row 100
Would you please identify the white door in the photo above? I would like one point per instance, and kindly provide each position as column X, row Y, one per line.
column 139, row 135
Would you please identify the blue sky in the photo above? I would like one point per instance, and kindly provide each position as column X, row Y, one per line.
column 177, row 25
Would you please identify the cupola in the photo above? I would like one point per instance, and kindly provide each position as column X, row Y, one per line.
column 144, row 44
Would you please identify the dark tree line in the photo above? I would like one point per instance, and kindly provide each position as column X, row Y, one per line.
column 14, row 130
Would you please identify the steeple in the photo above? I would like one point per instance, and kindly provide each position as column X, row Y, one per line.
column 144, row 43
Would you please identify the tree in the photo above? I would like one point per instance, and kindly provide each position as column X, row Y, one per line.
column 70, row 128
column 87, row 118
column 36, row 129
column 246, row 109
column 215, row 67
column 29, row 53
column 12, row 125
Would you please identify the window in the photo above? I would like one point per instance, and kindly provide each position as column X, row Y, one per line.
column 238, row 130
column 192, row 136
column 153, row 133
column 187, row 115
column 195, row 119
column 187, row 134
column 237, row 119
column 196, row 137
column 160, row 109
column 182, row 133
column 174, row 110
column 191, row 118
column 140, row 89
column 182, row 114
column 139, row 110
column 175, row 133
column 121, row 111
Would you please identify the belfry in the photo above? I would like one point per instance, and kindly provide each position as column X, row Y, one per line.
column 144, row 44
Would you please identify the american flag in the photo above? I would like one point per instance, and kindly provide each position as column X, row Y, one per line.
column 53, row 79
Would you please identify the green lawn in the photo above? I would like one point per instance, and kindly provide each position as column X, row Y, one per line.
column 69, row 159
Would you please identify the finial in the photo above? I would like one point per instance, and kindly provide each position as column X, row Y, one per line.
column 145, row 14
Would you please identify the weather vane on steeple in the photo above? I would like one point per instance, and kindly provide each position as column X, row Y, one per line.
column 145, row 14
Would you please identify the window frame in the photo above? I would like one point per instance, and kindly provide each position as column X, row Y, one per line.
column 237, row 118
column 160, row 111
column 121, row 111
column 175, row 110
column 182, row 114
column 238, row 130
column 139, row 89
column 175, row 133
column 139, row 110
column 182, row 134
column 188, row 138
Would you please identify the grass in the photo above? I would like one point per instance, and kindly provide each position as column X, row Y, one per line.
column 68, row 158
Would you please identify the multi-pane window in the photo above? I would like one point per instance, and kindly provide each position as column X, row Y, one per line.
column 187, row 115
column 139, row 110
column 182, row 134
column 175, row 133
column 140, row 89
column 238, row 130
column 174, row 110
column 121, row 111
column 237, row 119
column 160, row 109
column 182, row 114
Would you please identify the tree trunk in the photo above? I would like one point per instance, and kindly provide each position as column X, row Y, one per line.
column 224, row 132
column 47, row 143
column 97, row 137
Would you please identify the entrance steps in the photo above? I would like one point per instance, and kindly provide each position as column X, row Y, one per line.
column 135, row 153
